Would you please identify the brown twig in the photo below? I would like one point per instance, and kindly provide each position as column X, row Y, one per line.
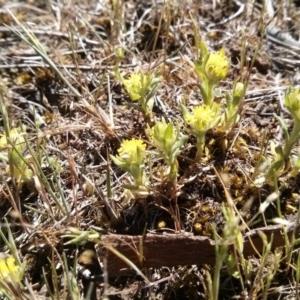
column 4, row 29
column 179, row 249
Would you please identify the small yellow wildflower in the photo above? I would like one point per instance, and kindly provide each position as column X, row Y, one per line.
column 203, row 117
column 142, row 88
column 217, row 66
column 9, row 271
column 138, row 84
column 133, row 86
column 132, row 151
column 131, row 159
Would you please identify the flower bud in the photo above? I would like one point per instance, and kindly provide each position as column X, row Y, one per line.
column 292, row 102
column 239, row 90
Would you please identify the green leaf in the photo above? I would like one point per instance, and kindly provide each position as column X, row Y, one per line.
column 283, row 126
column 239, row 241
column 184, row 110
column 199, row 69
column 229, row 100
column 130, row 187
column 275, row 168
column 232, row 268
column 117, row 161
column 204, row 51
column 177, row 145
column 203, row 93
column 217, row 92
column 168, row 138
column 150, row 103
column 4, row 157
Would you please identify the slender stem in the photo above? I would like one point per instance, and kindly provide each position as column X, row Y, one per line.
column 173, row 172
column 231, row 118
column 221, row 255
column 294, row 136
column 200, row 145
column 210, row 93
column 139, row 178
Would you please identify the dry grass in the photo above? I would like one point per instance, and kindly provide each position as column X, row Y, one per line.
column 63, row 67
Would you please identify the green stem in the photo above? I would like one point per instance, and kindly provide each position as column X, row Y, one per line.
column 294, row 136
column 230, row 118
column 173, row 172
column 200, row 145
column 137, row 172
column 207, row 91
column 210, row 93
column 147, row 112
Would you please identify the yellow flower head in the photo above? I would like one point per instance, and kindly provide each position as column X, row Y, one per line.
column 132, row 151
column 203, row 117
column 217, row 66
column 9, row 270
column 138, row 84
column 131, row 159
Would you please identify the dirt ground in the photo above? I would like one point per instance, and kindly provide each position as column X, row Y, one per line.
column 90, row 42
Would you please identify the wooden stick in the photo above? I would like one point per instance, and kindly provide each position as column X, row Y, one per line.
column 180, row 249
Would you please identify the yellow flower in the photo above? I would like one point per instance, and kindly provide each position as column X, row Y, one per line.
column 132, row 151
column 138, row 84
column 203, row 117
column 133, row 86
column 131, row 159
column 217, row 66
column 9, row 271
